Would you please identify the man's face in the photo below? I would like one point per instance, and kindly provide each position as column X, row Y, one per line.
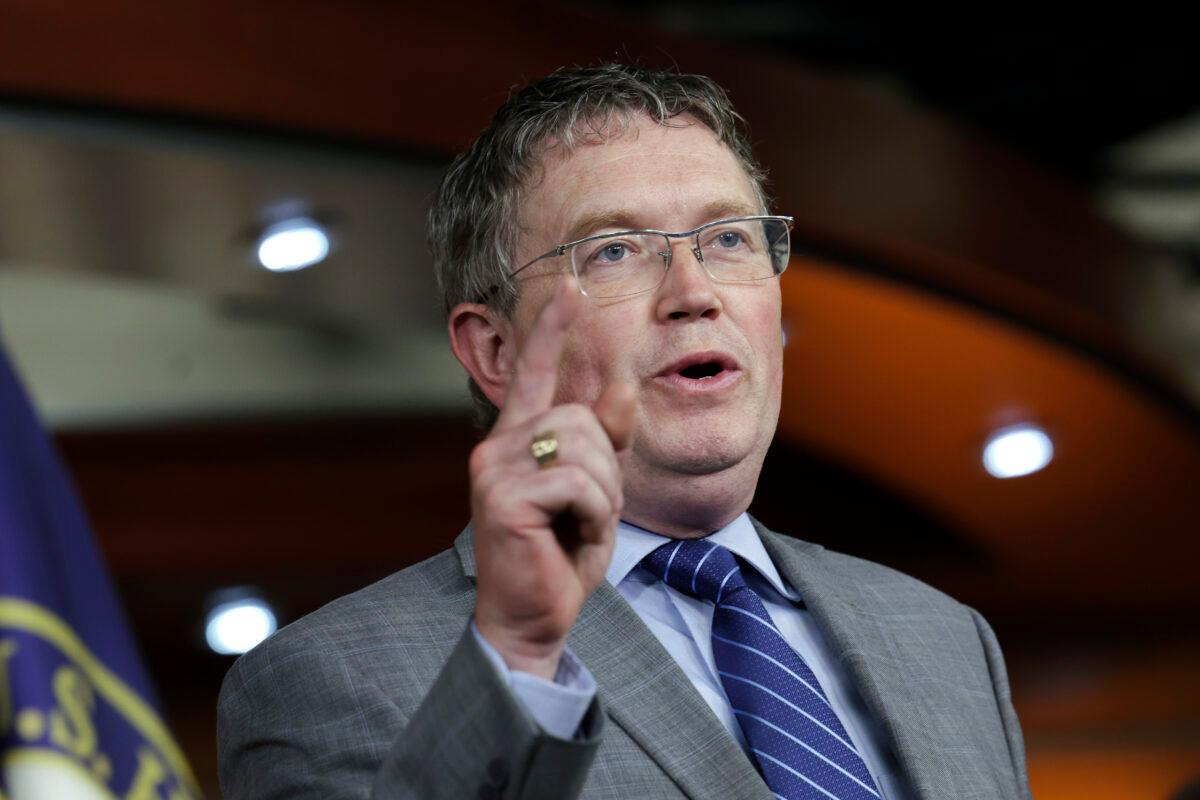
column 697, row 431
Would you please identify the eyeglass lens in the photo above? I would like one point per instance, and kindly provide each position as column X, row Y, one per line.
column 733, row 251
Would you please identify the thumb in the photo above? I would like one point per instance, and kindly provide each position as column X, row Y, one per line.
column 617, row 411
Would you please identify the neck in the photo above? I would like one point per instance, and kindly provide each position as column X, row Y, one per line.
column 686, row 507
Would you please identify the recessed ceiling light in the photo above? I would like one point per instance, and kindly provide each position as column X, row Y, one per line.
column 1017, row 450
column 292, row 244
column 238, row 625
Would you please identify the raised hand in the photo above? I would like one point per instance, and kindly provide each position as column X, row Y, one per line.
column 544, row 537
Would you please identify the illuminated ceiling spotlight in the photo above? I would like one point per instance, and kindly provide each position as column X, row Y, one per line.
column 292, row 244
column 1017, row 450
column 235, row 626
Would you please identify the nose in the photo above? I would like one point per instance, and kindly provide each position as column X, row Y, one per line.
column 687, row 291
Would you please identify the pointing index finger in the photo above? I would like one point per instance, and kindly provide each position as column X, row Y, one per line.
column 535, row 377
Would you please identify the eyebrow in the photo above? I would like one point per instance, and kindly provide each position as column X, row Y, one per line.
column 625, row 219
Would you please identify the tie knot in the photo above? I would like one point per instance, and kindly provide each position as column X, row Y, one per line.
column 696, row 567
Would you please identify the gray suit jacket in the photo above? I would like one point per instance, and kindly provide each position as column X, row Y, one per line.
column 385, row 693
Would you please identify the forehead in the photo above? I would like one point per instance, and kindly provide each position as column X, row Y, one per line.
column 645, row 175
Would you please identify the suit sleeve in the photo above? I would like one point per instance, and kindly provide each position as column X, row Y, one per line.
column 1008, row 715
column 295, row 724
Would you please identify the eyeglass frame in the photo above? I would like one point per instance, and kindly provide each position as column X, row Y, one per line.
column 667, row 257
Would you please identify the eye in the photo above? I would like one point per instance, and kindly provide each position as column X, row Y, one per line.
column 610, row 253
column 613, row 251
column 728, row 239
column 731, row 237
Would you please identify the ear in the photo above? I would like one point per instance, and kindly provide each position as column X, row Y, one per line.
column 482, row 342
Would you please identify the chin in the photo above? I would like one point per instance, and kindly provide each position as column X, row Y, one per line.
column 710, row 454
column 689, row 491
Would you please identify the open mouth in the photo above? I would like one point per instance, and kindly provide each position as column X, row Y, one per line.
column 698, row 372
column 702, row 371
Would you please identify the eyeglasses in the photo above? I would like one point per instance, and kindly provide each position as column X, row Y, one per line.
column 735, row 250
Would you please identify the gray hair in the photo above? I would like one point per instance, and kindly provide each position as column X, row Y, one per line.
column 473, row 225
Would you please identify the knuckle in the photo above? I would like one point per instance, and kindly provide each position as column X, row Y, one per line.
column 574, row 476
column 576, row 414
column 481, row 456
column 480, row 486
column 578, row 481
column 496, row 497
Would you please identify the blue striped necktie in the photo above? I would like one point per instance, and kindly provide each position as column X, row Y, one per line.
column 799, row 743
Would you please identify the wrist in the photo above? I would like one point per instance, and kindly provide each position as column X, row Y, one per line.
column 540, row 659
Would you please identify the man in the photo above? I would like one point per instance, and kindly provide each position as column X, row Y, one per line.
column 612, row 624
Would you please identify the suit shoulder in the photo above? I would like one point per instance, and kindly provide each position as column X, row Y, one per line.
column 420, row 606
column 864, row 582
column 888, row 584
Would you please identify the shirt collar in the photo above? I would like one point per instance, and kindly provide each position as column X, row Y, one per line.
column 739, row 537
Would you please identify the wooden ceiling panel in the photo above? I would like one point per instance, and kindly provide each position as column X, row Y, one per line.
column 864, row 169
column 906, row 387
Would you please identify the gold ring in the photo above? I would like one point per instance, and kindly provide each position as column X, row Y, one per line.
column 545, row 449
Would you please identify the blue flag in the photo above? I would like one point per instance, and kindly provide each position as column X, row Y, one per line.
column 78, row 718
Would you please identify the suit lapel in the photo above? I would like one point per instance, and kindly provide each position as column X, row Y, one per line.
column 878, row 661
column 648, row 696
column 645, row 692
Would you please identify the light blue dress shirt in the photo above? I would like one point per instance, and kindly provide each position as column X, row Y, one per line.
column 684, row 626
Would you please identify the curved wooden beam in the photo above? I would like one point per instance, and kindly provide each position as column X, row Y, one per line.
column 866, row 173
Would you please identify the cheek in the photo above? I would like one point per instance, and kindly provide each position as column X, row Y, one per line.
column 765, row 330
column 598, row 352
column 768, row 347
column 582, row 374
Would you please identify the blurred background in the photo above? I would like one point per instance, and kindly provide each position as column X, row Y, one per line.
column 997, row 254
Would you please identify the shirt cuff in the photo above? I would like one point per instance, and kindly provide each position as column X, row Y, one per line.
column 558, row 706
